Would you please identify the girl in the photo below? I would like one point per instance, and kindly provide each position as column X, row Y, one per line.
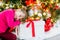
column 9, row 19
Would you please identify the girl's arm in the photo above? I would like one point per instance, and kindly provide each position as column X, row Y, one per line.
column 10, row 18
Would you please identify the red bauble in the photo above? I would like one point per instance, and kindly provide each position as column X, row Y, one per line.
column 48, row 21
column 29, row 2
column 47, row 28
column 48, row 25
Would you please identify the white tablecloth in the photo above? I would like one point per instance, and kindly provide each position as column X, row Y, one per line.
column 25, row 33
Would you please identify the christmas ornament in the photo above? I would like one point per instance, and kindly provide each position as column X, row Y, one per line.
column 1, row 3
column 51, row 1
column 57, row 1
column 31, row 18
column 7, row 6
column 37, row 18
column 58, row 4
column 34, row 13
column 43, row 5
column 11, row 5
column 31, row 12
column 29, row 2
column 48, row 25
column 40, row 14
column 44, row 14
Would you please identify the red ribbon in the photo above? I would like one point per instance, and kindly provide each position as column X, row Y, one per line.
column 33, row 29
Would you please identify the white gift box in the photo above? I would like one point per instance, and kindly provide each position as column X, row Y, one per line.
column 26, row 33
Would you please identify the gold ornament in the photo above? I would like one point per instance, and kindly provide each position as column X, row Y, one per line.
column 1, row 3
column 39, row 14
column 31, row 18
column 44, row 14
column 7, row 6
column 37, row 18
column 51, row 1
column 57, row 1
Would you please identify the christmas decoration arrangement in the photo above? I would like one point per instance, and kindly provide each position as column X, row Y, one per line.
column 48, row 10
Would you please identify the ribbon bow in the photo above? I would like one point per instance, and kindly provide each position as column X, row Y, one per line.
column 33, row 29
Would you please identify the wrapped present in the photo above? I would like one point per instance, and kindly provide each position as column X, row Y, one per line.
column 31, row 29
